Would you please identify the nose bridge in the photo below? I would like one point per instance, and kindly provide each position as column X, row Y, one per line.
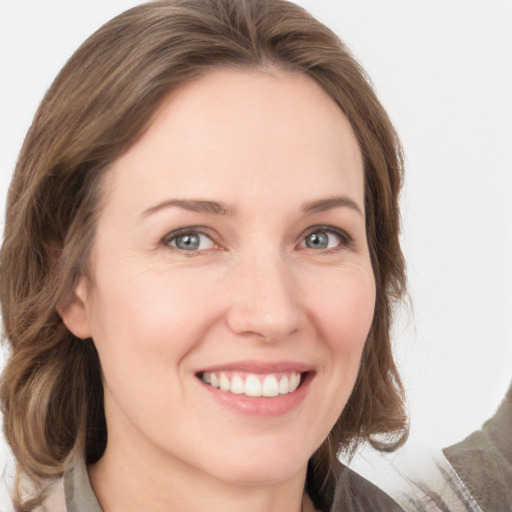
column 264, row 296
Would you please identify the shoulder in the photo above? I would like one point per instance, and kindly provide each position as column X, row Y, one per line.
column 356, row 494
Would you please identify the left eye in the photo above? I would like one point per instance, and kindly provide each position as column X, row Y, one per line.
column 322, row 240
column 191, row 242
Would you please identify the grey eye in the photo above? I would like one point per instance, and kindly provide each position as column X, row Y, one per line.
column 192, row 242
column 187, row 242
column 321, row 240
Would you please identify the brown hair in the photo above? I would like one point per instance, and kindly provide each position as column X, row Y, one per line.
column 99, row 105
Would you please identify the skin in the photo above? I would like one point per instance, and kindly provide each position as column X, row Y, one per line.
column 265, row 144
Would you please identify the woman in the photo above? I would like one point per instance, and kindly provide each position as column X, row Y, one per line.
column 198, row 271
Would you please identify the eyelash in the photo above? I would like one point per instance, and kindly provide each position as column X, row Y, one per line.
column 191, row 230
column 346, row 241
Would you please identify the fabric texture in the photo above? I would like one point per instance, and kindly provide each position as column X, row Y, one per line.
column 483, row 460
column 418, row 477
column 356, row 494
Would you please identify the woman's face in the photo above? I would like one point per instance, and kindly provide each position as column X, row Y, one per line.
column 230, row 261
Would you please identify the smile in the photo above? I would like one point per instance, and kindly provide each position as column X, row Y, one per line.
column 252, row 384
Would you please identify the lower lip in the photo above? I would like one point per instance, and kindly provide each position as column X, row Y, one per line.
column 262, row 406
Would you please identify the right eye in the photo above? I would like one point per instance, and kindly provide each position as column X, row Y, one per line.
column 190, row 241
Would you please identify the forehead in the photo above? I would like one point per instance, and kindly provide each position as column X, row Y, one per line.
column 237, row 133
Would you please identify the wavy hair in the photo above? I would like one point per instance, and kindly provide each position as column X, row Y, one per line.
column 99, row 105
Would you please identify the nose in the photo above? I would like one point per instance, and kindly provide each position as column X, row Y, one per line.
column 264, row 301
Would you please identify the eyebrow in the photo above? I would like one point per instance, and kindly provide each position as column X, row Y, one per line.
column 194, row 205
column 222, row 209
column 328, row 203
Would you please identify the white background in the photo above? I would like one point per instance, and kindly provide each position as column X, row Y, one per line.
column 443, row 70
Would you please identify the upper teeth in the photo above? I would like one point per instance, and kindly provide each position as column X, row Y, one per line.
column 251, row 384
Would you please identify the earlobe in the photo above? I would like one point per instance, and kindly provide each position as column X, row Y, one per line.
column 74, row 311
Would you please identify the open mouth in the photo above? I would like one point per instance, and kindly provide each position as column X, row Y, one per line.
column 254, row 384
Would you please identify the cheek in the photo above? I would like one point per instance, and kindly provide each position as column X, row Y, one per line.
column 144, row 328
column 345, row 310
column 139, row 316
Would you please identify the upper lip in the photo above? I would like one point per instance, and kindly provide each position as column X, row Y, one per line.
column 248, row 366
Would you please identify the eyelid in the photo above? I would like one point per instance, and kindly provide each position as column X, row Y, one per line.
column 346, row 239
column 189, row 230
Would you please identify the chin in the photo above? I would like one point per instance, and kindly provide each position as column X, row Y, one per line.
column 259, row 467
column 244, row 474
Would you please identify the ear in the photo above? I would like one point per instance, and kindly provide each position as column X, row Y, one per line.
column 74, row 311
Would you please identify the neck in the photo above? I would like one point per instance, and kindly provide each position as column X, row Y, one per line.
column 129, row 483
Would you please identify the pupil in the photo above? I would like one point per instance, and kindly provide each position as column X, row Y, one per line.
column 317, row 241
column 188, row 242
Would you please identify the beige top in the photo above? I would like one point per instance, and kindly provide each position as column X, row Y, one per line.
column 72, row 493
